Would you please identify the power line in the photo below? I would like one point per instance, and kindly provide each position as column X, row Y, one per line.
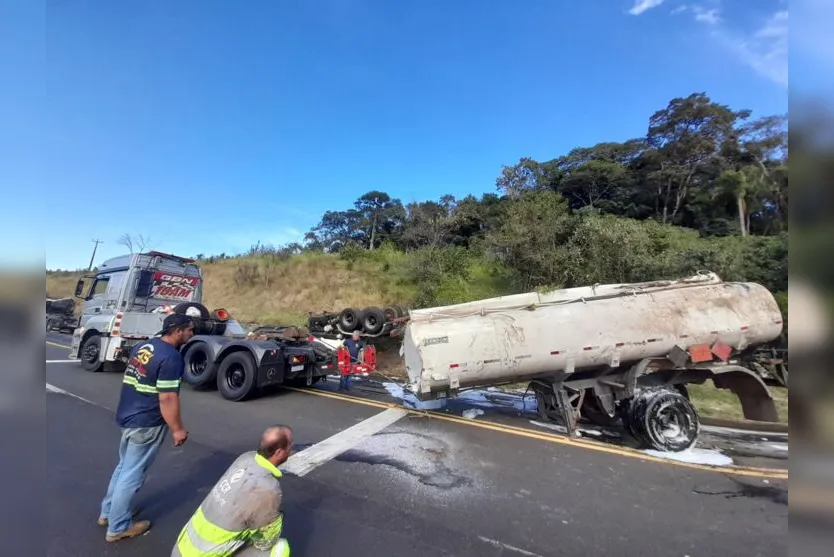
column 97, row 242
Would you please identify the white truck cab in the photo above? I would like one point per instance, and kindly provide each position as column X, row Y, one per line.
column 123, row 304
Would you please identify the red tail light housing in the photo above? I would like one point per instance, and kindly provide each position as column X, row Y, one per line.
column 221, row 314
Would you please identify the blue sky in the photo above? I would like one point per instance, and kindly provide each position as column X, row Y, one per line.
column 210, row 125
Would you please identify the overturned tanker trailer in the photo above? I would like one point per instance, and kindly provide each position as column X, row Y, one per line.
column 611, row 353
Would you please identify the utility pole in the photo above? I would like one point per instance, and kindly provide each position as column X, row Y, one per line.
column 97, row 242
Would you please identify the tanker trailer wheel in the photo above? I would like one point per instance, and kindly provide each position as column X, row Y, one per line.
column 350, row 319
column 373, row 319
column 199, row 370
column 236, row 376
column 663, row 419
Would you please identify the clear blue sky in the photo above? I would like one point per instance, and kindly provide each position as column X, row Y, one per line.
column 209, row 125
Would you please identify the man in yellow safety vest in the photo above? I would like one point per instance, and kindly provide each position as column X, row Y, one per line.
column 242, row 515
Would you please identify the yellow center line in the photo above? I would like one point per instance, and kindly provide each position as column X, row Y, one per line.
column 750, row 471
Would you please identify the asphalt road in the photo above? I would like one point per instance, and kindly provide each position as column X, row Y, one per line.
column 422, row 486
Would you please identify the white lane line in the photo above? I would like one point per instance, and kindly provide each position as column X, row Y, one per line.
column 62, row 361
column 508, row 547
column 54, row 389
column 309, row 459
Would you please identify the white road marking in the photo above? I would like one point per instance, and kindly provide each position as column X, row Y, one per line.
column 508, row 547
column 54, row 389
column 309, row 459
column 62, row 361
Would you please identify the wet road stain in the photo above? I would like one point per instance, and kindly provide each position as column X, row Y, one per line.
column 397, row 450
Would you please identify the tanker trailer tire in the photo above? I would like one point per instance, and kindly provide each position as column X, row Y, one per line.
column 391, row 313
column 350, row 319
column 236, row 376
column 373, row 319
column 200, row 371
column 663, row 419
column 90, row 354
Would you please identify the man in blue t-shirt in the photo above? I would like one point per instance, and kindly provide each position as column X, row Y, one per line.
column 354, row 346
column 148, row 407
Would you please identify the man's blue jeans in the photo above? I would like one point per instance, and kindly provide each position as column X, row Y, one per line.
column 344, row 382
column 137, row 451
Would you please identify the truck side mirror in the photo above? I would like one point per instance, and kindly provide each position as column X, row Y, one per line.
column 79, row 287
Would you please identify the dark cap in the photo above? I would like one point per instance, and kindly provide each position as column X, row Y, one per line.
column 174, row 321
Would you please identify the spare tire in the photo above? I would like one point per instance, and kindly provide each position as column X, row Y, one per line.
column 185, row 306
column 350, row 319
column 373, row 320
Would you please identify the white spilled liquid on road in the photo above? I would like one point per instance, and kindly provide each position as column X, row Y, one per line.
column 694, row 455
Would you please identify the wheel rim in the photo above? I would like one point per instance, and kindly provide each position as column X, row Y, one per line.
column 235, row 377
column 670, row 425
column 91, row 353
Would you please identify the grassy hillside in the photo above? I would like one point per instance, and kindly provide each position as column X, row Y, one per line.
column 275, row 288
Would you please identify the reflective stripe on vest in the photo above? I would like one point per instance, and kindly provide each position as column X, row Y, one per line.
column 280, row 549
column 201, row 538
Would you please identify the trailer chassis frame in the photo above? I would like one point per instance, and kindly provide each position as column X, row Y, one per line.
column 613, row 388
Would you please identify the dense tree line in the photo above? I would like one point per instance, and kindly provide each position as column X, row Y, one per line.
column 705, row 188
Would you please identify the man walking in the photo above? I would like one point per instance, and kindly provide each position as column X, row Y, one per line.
column 242, row 514
column 149, row 405
column 354, row 346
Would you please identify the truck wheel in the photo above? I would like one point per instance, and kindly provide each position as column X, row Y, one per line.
column 664, row 420
column 350, row 319
column 391, row 313
column 400, row 311
column 373, row 319
column 199, row 371
column 90, row 354
column 236, row 376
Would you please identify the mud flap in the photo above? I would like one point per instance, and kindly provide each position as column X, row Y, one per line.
column 756, row 401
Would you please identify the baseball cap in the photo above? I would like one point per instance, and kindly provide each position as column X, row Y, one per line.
column 174, row 320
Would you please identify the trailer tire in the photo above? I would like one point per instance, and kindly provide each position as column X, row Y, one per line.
column 401, row 312
column 653, row 410
column 90, row 354
column 373, row 320
column 199, row 370
column 236, row 376
column 350, row 319
column 391, row 313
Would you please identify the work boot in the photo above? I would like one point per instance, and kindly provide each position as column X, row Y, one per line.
column 136, row 529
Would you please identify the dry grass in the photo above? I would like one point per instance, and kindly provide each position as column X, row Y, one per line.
column 721, row 403
column 271, row 289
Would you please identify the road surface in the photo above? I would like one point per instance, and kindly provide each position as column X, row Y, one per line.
column 420, row 486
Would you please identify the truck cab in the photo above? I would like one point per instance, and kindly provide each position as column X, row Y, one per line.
column 123, row 304
column 127, row 299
